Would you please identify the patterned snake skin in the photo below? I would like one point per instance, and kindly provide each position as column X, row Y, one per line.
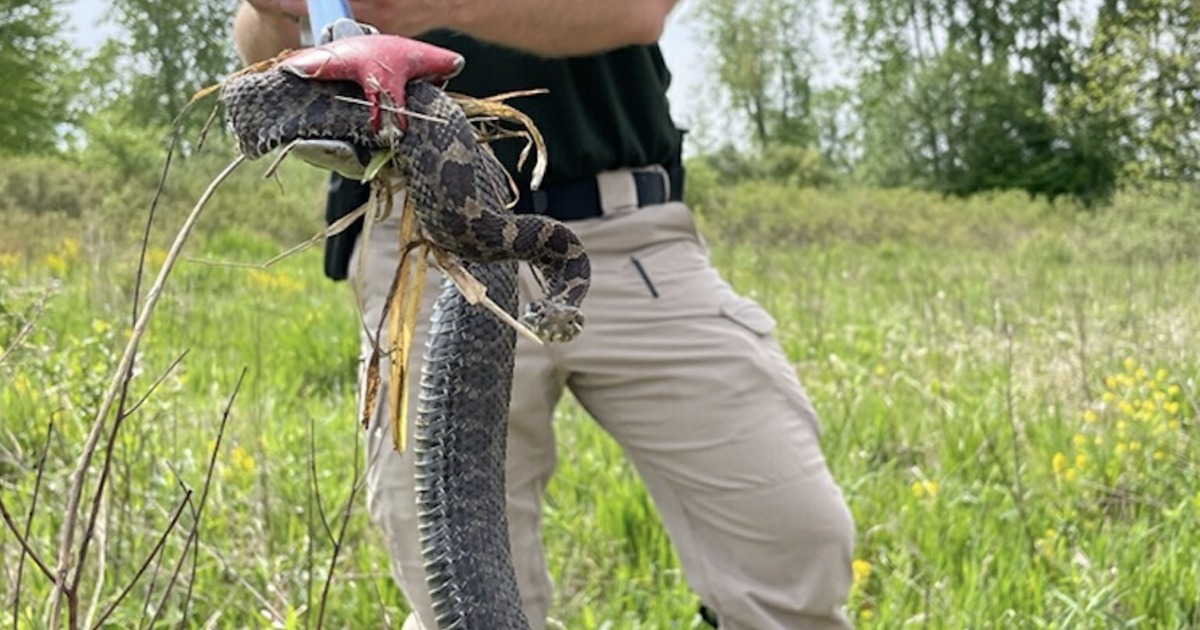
column 458, row 189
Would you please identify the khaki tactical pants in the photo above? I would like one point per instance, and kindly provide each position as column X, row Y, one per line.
column 686, row 375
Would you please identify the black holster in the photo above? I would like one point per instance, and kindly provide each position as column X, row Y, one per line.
column 343, row 197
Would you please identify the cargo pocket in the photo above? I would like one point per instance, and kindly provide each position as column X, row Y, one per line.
column 749, row 315
column 769, row 355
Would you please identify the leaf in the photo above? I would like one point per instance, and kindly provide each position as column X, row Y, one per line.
column 379, row 159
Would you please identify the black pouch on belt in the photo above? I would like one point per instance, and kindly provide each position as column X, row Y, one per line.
column 343, row 197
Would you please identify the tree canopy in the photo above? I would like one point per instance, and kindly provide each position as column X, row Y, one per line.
column 959, row 96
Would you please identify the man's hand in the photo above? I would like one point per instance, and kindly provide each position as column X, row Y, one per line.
column 396, row 17
column 381, row 64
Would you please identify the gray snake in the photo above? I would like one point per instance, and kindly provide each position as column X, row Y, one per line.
column 458, row 190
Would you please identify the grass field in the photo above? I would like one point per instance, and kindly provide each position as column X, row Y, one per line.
column 1008, row 392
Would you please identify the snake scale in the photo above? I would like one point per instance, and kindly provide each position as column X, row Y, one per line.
column 458, row 190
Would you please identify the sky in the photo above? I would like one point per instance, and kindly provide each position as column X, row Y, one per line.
column 679, row 44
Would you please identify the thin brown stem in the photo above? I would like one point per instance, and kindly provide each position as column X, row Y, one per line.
column 158, row 545
column 71, row 515
column 12, row 526
column 356, row 484
column 37, row 488
column 193, row 538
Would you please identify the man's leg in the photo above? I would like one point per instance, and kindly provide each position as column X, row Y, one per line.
column 391, row 496
column 688, row 377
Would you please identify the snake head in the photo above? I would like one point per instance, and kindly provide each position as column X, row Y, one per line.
column 382, row 65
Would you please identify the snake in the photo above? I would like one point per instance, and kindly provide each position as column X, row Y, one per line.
column 458, row 190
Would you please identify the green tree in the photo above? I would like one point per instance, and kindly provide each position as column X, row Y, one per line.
column 170, row 50
column 762, row 60
column 1140, row 80
column 33, row 59
column 958, row 95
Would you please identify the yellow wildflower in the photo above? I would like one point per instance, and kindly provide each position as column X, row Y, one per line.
column 243, row 460
column 57, row 263
column 1130, row 364
column 861, row 569
column 921, row 489
column 1058, row 463
column 1160, row 375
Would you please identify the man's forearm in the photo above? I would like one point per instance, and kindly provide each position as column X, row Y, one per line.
column 558, row 28
column 552, row 28
column 261, row 35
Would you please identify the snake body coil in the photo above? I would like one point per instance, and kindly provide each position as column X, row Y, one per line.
column 458, row 189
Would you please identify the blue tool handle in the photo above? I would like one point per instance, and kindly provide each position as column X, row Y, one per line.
column 322, row 13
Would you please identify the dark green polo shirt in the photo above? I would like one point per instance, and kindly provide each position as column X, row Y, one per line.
column 601, row 112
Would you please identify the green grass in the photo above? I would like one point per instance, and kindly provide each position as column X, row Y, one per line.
column 1007, row 389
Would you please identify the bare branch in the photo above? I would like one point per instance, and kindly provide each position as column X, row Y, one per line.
column 162, row 540
column 12, row 526
column 198, row 511
column 157, row 382
column 37, row 487
column 178, row 565
column 355, row 486
column 312, row 461
column 72, row 512
column 97, row 498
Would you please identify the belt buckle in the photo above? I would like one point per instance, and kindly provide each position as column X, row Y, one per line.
column 652, row 197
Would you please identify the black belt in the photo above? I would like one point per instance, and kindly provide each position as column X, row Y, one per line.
column 565, row 201
column 580, row 199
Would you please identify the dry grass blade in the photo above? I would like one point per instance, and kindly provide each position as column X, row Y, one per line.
column 395, row 110
column 494, row 108
column 403, row 308
column 335, row 228
column 371, row 387
column 476, row 293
